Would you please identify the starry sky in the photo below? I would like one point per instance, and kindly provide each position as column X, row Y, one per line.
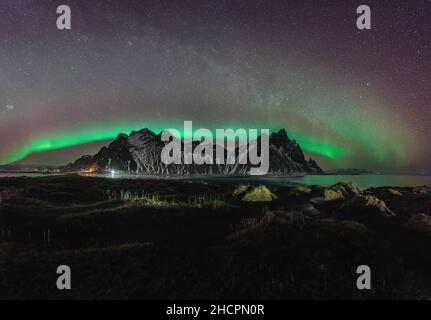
column 351, row 98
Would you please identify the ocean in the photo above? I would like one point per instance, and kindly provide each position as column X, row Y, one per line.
column 363, row 181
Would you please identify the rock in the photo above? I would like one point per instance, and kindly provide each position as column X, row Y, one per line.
column 309, row 210
column 240, row 189
column 299, row 191
column 394, row 192
column 365, row 208
column 348, row 189
column 317, row 200
column 421, row 223
column 339, row 191
column 254, row 194
column 422, row 190
column 316, row 188
column 330, row 194
column 385, row 192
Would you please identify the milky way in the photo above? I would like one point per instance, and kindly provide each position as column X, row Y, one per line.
column 351, row 98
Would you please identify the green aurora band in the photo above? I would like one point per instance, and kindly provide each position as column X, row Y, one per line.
column 339, row 144
column 68, row 138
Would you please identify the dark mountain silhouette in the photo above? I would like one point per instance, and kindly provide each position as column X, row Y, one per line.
column 140, row 152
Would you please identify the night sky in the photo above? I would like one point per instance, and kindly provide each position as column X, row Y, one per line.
column 351, row 98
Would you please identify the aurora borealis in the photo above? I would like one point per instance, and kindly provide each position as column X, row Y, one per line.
column 350, row 98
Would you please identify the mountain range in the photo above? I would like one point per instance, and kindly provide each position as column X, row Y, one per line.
column 140, row 152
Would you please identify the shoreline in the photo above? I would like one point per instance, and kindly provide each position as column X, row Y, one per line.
column 211, row 230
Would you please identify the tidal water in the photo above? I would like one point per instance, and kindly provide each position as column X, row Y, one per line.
column 26, row 174
column 363, row 181
column 367, row 181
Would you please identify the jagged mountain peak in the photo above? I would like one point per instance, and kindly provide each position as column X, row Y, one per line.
column 280, row 138
column 137, row 139
column 282, row 134
column 144, row 131
column 121, row 136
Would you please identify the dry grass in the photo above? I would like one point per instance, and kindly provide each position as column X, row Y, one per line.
column 144, row 198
